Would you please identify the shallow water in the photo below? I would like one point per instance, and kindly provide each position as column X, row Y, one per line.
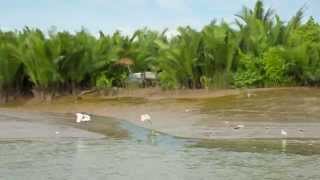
column 121, row 159
column 144, row 154
column 130, row 152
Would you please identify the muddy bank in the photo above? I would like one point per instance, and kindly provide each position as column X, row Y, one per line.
column 19, row 125
column 208, row 115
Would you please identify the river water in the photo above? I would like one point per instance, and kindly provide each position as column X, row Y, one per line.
column 77, row 159
column 129, row 152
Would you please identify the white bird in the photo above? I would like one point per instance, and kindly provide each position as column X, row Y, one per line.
column 240, row 126
column 86, row 118
column 57, row 132
column 283, row 132
column 81, row 117
column 249, row 95
column 145, row 117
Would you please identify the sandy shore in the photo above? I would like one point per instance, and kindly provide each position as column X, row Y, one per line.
column 183, row 113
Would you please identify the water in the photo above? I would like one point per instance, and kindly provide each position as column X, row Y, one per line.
column 287, row 105
column 122, row 159
column 130, row 152
column 143, row 154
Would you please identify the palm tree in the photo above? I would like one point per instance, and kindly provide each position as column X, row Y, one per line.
column 104, row 56
column 303, row 50
column 218, row 54
column 255, row 26
column 147, row 51
column 9, row 64
column 39, row 57
column 179, row 59
column 262, row 51
column 76, row 54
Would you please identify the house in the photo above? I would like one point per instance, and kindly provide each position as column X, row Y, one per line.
column 144, row 79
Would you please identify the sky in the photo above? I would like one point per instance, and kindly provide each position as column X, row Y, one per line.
column 129, row 15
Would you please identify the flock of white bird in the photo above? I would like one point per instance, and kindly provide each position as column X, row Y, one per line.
column 83, row 117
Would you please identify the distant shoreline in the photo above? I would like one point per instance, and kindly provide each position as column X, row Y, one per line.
column 150, row 94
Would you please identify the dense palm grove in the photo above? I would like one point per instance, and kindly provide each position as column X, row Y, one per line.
column 258, row 50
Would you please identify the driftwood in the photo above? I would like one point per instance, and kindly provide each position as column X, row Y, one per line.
column 105, row 92
column 82, row 93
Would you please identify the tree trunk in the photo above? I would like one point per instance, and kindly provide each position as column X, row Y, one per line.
column 4, row 97
column 43, row 94
column 74, row 89
column 49, row 95
column 38, row 94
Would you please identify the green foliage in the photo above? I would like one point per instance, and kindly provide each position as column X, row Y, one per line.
column 275, row 67
column 103, row 82
column 303, row 52
column 249, row 72
column 247, row 79
column 179, row 59
column 205, row 81
column 40, row 57
column 76, row 52
column 167, row 80
column 146, row 49
column 9, row 62
column 262, row 51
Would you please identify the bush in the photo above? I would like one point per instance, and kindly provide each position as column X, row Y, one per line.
column 249, row 72
column 103, row 82
column 167, row 81
column 247, row 79
column 275, row 67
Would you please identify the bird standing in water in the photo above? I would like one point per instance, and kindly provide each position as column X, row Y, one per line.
column 283, row 132
column 145, row 117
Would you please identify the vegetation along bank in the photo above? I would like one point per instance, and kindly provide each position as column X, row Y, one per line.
column 258, row 50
